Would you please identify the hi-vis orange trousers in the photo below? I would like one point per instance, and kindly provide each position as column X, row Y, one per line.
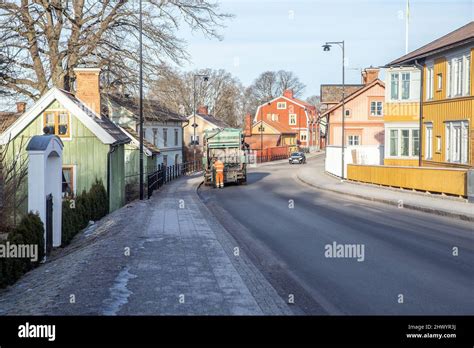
column 219, row 179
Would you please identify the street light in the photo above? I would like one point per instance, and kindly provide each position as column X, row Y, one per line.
column 141, row 101
column 205, row 78
column 326, row 48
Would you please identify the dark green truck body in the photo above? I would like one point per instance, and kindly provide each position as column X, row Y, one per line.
column 228, row 146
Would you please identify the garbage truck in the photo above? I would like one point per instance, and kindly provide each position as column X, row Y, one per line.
column 226, row 144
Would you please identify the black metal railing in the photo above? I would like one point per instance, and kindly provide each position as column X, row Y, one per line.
column 165, row 174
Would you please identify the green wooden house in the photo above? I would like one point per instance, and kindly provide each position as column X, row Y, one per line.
column 94, row 147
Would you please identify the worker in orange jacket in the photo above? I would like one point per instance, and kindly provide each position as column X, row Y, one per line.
column 219, row 168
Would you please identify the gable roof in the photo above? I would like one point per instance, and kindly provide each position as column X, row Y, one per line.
column 277, row 126
column 211, row 119
column 355, row 95
column 332, row 93
column 458, row 37
column 152, row 109
column 296, row 101
column 149, row 148
column 102, row 127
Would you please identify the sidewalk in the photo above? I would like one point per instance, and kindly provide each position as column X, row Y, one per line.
column 164, row 256
column 313, row 174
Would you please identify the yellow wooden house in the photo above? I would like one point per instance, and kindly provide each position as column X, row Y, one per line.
column 447, row 130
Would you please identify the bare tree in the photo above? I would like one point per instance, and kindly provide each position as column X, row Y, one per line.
column 13, row 173
column 270, row 85
column 45, row 40
column 222, row 93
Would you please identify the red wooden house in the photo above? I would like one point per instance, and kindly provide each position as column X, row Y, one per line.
column 294, row 113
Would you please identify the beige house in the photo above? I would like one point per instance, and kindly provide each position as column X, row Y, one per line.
column 204, row 121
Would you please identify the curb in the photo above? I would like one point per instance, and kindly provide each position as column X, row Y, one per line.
column 393, row 203
column 271, row 163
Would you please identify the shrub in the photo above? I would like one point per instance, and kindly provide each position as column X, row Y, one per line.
column 87, row 206
column 30, row 230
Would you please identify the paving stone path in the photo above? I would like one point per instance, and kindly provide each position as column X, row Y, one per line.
column 164, row 256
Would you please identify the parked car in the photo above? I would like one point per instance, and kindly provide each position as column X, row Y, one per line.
column 297, row 157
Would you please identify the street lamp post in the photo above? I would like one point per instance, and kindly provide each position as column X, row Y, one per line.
column 141, row 102
column 205, row 78
column 327, row 47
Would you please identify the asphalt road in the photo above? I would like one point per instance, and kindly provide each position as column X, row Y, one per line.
column 408, row 266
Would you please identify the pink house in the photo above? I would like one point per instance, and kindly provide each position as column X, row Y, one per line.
column 364, row 123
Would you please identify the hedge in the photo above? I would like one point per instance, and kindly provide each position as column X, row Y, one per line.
column 78, row 211
column 30, row 230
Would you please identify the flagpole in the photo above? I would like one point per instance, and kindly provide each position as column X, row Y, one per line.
column 407, row 19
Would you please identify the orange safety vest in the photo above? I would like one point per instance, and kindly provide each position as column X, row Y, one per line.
column 219, row 166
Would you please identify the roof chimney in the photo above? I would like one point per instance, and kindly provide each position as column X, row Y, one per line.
column 248, row 125
column 203, row 110
column 20, row 107
column 288, row 93
column 88, row 87
column 369, row 75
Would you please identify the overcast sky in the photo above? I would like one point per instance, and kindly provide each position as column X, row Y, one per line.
column 288, row 34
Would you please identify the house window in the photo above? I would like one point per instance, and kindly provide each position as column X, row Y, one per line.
column 457, row 147
column 459, row 76
column 415, row 142
column 404, row 142
column 353, row 140
column 439, row 79
column 292, row 120
column 155, row 136
column 376, row 108
column 429, row 141
column 68, row 181
column 274, row 117
column 393, row 142
column 281, row 105
column 144, row 133
column 165, row 160
column 303, row 136
column 429, row 82
column 347, row 113
column 176, row 159
column 405, row 85
column 176, row 137
column 165, row 137
column 57, row 122
column 394, row 85
column 194, row 141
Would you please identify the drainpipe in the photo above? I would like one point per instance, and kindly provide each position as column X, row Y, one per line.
column 111, row 151
column 419, row 66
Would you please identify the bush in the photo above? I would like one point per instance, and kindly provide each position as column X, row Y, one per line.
column 87, row 206
column 30, row 230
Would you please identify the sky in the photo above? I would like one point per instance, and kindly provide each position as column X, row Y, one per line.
column 288, row 34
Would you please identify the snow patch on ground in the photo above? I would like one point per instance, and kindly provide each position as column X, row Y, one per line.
column 119, row 293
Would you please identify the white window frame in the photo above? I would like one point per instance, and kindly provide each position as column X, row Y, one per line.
column 429, row 141
column 459, row 75
column 351, row 140
column 429, row 82
column 411, row 142
column 402, row 84
column 303, row 134
column 457, row 143
column 395, row 89
column 281, row 106
column 290, row 117
column 377, row 103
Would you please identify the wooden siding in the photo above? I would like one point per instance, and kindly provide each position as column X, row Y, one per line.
column 401, row 162
column 438, row 112
column 84, row 151
column 439, row 180
column 401, row 112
